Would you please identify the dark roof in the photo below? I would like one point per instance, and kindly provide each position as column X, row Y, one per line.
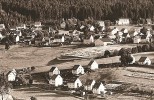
column 52, row 69
column 88, row 82
column 71, row 79
column 90, row 63
column 142, row 59
column 96, row 85
column 125, row 34
column 75, row 67
column 106, row 40
column 53, row 77
column 58, row 36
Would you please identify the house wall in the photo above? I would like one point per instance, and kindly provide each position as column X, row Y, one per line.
column 90, row 87
column 12, row 76
column 100, row 90
column 77, row 83
column 123, row 22
column 94, row 66
column 137, row 40
column 147, row 62
column 80, row 70
column 58, row 80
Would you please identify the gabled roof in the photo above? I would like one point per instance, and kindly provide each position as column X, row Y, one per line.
column 96, row 85
column 91, row 62
column 125, row 34
column 53, row 77
column 106, row 40
column 75, row 67
column 89, row 82
column 52, row 69
column 142, row 59
column 71, row 79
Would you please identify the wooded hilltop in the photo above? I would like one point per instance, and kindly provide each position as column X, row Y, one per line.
column 22, row 11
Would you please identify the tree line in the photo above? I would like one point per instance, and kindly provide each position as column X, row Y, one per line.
column 17, row 11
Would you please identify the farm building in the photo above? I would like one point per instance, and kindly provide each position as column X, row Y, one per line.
column 77, row 69
column 99, row 88
column 11, row 75
column 56, row 80
column 89, row 84
column 123, row 21
column 144, row 61
column 93, row 65
column 74, row 83
column 54, row 71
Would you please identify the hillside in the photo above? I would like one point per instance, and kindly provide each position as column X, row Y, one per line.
column 18, row 11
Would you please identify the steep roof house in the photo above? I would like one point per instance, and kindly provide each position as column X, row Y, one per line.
column 89, row 84
column 56, row 80
column 11, row 75
column 133, row 33
column 74, row 83
column 114, row 31
column 145, row 39
column 99, row 88
column 93, row 65
column 54, row 71
column 77, row 69
column 144, row 61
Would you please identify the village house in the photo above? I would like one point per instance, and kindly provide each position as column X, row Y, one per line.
column 77, row 69
column 58, row 39
column 89, row 85
column 123, row 21
column 37, row 24
column 74, row 83
column 124, row 30
column 91, row 28
column 125, row 37
column 144, row 61
column 93, row 65
column 99, row 88
column 133, row 33
column 114, row 31
column 11, row 75
column 28, row 40
column 56, row 80
column 21, row 26
column 2, row 26
column 103, row 42
column 54, row 71
column 90, row 40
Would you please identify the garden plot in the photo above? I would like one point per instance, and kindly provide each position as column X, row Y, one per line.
column 93, row 52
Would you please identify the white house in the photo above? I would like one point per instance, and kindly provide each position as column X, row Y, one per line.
column 92, row 28
column 2, row 26
column 123, row 21
column 54, row 71
column 21, row 26
column 144, row 61
column 56, row 80
column 133, row 33
column 91, row 39
column 11, row 75
column 63, row 25
column 74, row 83
column 99, row 88
column 93, row 65
column 17, row 38
column 77, row 69
column 89, row 84
column 37, row 24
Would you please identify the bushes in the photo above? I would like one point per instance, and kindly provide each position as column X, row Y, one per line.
column 145, row 48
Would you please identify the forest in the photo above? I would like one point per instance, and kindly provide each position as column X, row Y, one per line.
column 23, row 11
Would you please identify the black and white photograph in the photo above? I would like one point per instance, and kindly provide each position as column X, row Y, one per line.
column 76, row 49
